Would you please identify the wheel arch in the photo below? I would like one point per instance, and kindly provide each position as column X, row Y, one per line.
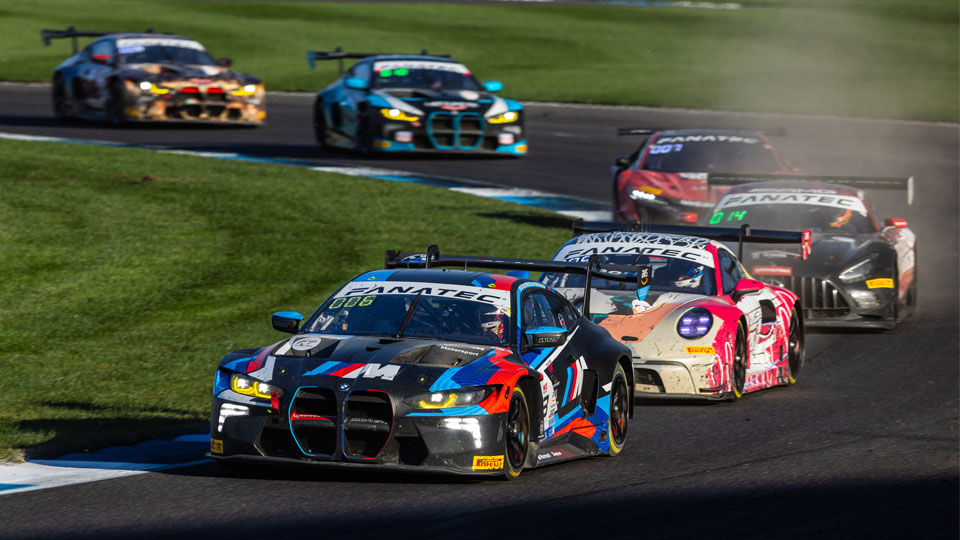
column 626, row 363
column 531, row 390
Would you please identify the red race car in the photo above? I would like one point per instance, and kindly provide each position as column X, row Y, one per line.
column 665, row 179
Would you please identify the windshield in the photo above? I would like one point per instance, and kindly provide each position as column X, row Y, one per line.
column 432, row 75
column 839, row 214
column 421, row 315
column 156, row 51
column 669, row 275
column 720, row 153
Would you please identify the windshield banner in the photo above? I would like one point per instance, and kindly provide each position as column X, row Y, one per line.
column 816, row 199
column 445, row 290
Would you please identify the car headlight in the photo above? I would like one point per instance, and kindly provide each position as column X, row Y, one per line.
column 245, row 90
column 250, row 387
column 397, row 114
column 504, row 118
column 147, row 86
column 857, row 272
column 446, row 399
column 638, row 195
column 695, row 323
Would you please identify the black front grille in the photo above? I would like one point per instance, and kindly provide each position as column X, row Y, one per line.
column 313, row 419
column 462, row 131
column 818, row 297
column 367, row 423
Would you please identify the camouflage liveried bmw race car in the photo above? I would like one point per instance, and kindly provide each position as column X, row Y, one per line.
column 122, row 77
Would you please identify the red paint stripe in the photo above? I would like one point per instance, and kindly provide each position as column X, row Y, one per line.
column 573, row 383
column 344, row 371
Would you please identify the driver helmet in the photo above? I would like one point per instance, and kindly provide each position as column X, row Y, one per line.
column 492, row 320
column 689, row 278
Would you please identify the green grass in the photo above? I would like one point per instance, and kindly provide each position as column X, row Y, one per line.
column 120, row 295
column 883, row 58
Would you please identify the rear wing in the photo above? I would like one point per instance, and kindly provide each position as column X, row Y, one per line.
column 859, row 182
column 742, row 235
column 73, row 33
column 628, row 131
column 591, row 269
column 339, row 55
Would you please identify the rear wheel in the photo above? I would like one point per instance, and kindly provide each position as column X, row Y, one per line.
column 320, row 125
column 517, row 440
column 794, row 348
column 738, row 365
column 619, row 411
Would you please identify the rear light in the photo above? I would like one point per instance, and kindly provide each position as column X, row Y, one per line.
column 687, row 217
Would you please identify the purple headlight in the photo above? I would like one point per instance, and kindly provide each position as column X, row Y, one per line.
column 695, row 323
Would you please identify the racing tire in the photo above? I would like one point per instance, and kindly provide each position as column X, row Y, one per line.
column 619, row 415
column 320, row 125
column 363, row 140
column 516, row 437
column 60, row 106
column 795, row 347
column 738, row 365
column 116, row 103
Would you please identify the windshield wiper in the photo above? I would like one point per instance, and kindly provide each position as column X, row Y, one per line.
column 409, row 315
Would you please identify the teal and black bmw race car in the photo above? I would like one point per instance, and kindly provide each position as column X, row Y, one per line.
column 414, row 103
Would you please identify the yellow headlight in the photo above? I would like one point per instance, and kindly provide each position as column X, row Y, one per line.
column 246, row 90
column 397, row 114
column 249, row 387
column 505, row 118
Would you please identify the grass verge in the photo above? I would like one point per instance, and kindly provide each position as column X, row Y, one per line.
column 128, row 273
column 880, row 58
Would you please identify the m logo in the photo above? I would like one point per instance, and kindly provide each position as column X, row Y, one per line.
column 375, row 371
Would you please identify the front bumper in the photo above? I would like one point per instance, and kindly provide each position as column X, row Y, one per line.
column 208, row 104
column 448, row 133
column 833, row 304
column 674, row 379
column 442, row 443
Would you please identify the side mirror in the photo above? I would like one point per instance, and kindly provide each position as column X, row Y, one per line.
column 355, row 83
column 545, row 336
column 493, row 86
column 895, row 222
column 287, row 321
column 746, row 286
column 621, row 162
column 105, row 59
column 224, row 62
column 687, row 217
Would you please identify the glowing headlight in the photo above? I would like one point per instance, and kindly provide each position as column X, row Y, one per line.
column 145, row 86
column 695, row 323
column 250, row 88
column 397, row 114
column 245, row 90
column 857, row 272
column 460, row 397
column 504, row 118
column 866, row 299
column 250, row 387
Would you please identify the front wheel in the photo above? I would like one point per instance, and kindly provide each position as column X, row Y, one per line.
column 738, row 365
column 320, row 125
column 795, row 348
column 517, row 441
column 116, row 103
column 619, row 415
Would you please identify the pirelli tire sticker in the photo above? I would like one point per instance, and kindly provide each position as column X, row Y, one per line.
column 487, row 463
column 880, row 283
column 700, row 350
column 216, row 446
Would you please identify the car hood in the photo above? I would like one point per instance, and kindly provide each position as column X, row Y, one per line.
column 830, row 253
column 195, row 73
column 414, row 362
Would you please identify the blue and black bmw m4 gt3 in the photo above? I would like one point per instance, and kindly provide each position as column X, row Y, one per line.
column 414, row 103
column 427, row 370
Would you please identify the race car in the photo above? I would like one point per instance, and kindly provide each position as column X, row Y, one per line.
column 863, row 272
column 665, row 179
column 698, row 325
column 414, row 103
column 427, row 370
column 127, row 77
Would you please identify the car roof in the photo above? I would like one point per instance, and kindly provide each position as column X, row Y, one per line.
column 425, row 58
column 138, row 35
column 800, row 186
column 682, row 132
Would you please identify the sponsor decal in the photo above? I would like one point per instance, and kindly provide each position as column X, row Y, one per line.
column 367, row 288
column 880, row 283
column 420, row 64
column 216, row 446
column 708, row 138
column 834, row 201
column 700, row 350
column 451, row 105
column 639, row 306
column 159, row 42
column 773, row 270
column 487, row 463
column 582, row 253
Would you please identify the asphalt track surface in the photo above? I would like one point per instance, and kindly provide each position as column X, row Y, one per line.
column 865, row 445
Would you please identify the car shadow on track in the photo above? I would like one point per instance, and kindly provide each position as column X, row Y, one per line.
column 321, row 474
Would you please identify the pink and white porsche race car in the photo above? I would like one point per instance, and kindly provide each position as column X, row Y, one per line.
column 698, row 324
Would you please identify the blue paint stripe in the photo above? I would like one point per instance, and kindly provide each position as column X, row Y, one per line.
column 4, row 487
